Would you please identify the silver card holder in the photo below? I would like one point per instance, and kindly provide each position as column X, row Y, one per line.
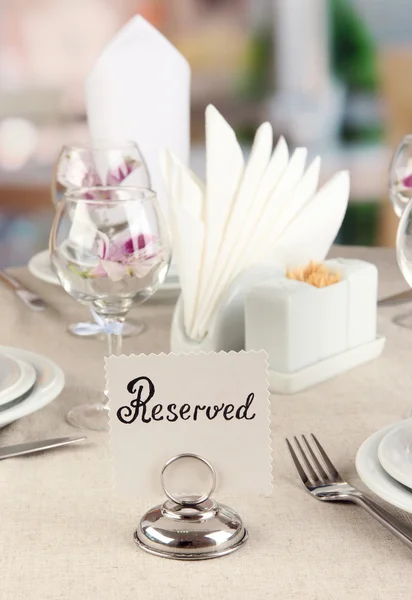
column 190, row 528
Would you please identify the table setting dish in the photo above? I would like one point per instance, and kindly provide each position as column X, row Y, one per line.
column 40, row 267
column 394, row 453
column 10, row 372
column 387, row 484
column 20, row 381
column 46, row 387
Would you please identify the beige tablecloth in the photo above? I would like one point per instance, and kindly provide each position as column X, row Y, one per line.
column 64, row 534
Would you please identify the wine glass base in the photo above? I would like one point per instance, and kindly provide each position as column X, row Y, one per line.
column 89, row 416
column 130, row 329
column 404, row 320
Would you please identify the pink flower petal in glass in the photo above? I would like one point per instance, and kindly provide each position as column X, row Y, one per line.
column 98, row 271
column 71, row 170
column 91, row 178
column 136, row 243
column 115, row 271
column 407, row 181
column 119, row 173
column 141, row 268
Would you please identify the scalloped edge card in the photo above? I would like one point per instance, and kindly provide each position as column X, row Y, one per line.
column 212, row 404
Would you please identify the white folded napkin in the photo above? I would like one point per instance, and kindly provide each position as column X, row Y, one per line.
column 139, row 90
column 265, row 212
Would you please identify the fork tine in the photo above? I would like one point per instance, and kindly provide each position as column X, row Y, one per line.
column 313, row 474
column 298, row 466
column 319, row 467
column 332, row 469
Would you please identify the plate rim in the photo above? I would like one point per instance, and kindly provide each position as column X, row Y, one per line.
column 31, row 265
column 42, row 394
column 386, row 464
column 14, row 362
column 405, row 500
column 19, row 388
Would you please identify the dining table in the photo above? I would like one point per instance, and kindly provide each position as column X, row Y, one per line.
column 66, row 533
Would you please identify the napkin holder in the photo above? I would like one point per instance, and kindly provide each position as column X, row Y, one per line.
column 248, row 319
column 227, row 332
column 312, row 334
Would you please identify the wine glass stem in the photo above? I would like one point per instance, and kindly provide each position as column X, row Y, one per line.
column 114, row 336
column 114, row 342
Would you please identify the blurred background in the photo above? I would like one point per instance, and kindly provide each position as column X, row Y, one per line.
column 335, row 75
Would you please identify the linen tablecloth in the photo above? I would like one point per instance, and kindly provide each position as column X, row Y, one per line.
column 65, row 534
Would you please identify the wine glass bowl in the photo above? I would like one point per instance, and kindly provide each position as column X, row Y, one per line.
column 404, row 244
column 400, row 195
column 110, row 249
column 400, row 191
column 400, row 176
column 102, row 163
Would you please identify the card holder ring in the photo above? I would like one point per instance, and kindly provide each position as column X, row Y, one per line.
column 193, row 500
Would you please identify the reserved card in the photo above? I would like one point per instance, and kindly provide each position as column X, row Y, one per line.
column 215, row 405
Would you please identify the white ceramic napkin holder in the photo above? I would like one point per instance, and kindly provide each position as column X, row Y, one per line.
column 228, row 330
column 312, row 334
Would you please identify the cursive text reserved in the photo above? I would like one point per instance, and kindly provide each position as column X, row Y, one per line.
column 142, row 409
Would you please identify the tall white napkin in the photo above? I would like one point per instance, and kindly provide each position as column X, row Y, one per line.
column 139, row 90
column 265, row 212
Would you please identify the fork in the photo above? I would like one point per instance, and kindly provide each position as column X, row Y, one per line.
column 324, row 483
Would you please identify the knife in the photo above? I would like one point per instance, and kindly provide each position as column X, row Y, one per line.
column 29, row 298
column 396, row 299
column 31, row 447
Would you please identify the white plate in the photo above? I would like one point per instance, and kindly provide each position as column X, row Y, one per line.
column 49, row 384
column 395, row 453
column 40, row 266
column 19, row 387
column 376, row 478
column 9, row 372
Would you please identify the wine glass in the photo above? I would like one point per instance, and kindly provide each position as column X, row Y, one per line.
column 400, row 176
column 400, row 194
column 404, row 243
column 110, row 248
column 105, row 162
column 404, row 251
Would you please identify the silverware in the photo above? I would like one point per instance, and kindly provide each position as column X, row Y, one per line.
column 325, row 483
column 396, row 299
column 31, row 447
column 29, row 298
